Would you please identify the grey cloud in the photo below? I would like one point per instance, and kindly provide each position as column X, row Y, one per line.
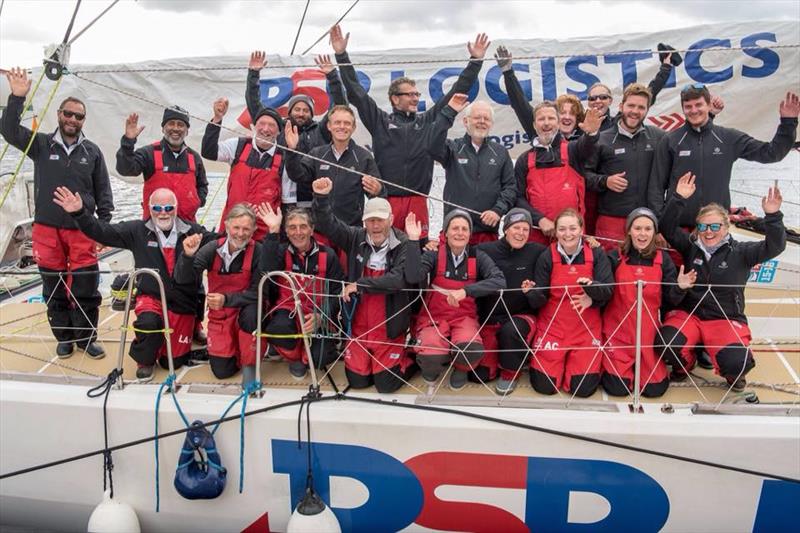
column 185, row 6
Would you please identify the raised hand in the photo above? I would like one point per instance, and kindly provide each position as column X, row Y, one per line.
column 686, row 280
column 413, row 227
column 215, row 301
column 71, row 203
column 220, row 108
column 789, row 108
column 272, row 218
column 258, row 60
column 591, row 122
column 339, row 41
column 686, row 186
column 322, row 186
column 371, row 185
column 771, row 203
column 527, row 285
column 291, row 135
column 717, row 105
column 132, row 128
column 477, row 50
column 324, row 63
column 18, row 81
column 490, row 218
column 617, row 182
column 503, row 57
column 191, row 244
column 458, row 102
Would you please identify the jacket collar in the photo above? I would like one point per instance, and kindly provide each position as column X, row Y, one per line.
column 181, row 226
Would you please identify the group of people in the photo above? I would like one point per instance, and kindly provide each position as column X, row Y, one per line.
column 539, row 263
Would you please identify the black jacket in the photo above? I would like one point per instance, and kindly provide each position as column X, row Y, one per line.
column 710, row 153
column 517, row 266
column 729, row 265
column 616, row 152
column 132, row 162
column 83, row 171
column 580, row 151
column 399, row 139
column 189, row 269
column 313, row 133
column 482, row 180
column 601, row 273
column 421, row 269
column 348, row 192
column 353, row 241
column 140, row 237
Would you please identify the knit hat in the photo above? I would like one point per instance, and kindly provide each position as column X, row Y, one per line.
column 175, row 113
column 456, row 213
column 640, row 212
column 270, row 112
column 377, row 208
column 301, row 98
column 515, row 215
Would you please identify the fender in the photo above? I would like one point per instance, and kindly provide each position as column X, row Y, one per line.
column 200, row 474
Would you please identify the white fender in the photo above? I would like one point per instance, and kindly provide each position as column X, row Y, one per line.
column 111, row 516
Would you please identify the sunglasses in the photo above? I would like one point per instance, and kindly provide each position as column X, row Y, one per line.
column 599, row 97
column 167, row 208
column 71, row 114
column 414, row 93
column 716, row 226
column 690, row 86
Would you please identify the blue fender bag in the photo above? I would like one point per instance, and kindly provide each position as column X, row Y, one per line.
column 200, row 474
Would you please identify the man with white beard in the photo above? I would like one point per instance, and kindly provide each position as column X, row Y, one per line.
column 479, row 174
column 156, row 243
column 550, row 175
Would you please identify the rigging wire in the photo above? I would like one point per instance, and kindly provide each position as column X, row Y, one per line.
column 106, row 10
column 300, row 27
column 334, row 24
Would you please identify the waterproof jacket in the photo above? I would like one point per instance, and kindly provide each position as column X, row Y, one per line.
column 421, row 269
column 599, row 291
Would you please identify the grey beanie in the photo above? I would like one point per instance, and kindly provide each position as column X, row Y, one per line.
column 301, row 98
column 517, row 214
column 455, row 213
column 640, row 212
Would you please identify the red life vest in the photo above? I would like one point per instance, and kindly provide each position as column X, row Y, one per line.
column 624, row 298
column 183, row 184
column 437, row 302
column 563, row 321
column 371, row 307
column 224, row 283
column 312, row 286
column 551, row 190
column 252, row 185
column 169, row 258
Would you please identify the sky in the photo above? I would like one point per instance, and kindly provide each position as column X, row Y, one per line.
column 158, row 29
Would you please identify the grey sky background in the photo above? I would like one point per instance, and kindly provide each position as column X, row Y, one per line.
column 159, row 29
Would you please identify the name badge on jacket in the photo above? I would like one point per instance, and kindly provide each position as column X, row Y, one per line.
column 684, row 153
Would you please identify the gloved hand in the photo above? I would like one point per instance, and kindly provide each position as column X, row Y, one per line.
column 503, row 57
column 664, row 51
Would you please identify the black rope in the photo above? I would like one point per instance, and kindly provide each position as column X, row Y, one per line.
column 104, row 389
column 300, row 27
column 444, row 410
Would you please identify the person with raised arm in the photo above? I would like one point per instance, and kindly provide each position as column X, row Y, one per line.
column 702, row 147
column 256, row 162
column 572, row 283
column 375, row 304
column 168, row 163
column 447, row 328
column 157, row 243
column 479, row 173
column 639, row 259
column 301, row 111
column 233, row 264
column 67, row 259
column 712, row 314
column 399, row 138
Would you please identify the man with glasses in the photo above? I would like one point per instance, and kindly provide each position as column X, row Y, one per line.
column 67, row 259
column 707, row 150
column 399, row 138
column 158, row 243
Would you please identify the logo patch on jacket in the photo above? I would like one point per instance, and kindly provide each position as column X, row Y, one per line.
column 698, row 261
column 152, row 244
column 54, row 157
column 492, row 162
column 324, row 167
column 684, row 153
column 648, row 148
column 618, row 151
column 723, row 265
column 463, row 160
column 83, row 161
column 716, row 151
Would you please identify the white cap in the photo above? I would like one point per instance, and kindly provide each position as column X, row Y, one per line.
column 377, row 208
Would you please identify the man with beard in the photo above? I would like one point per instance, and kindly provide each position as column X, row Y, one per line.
column 479, row 174
column 549, row 175
column 399, row 138
column 349, row 186
column 67, row 259
column 709, row 151
column 301, row 114
column 156, row 243
column 256, row 163
column 167, row 163
column 624, row 160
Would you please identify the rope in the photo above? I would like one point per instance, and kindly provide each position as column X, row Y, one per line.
column 300, row 27
column 406, row 61
column 106, row 10
column 250, row 388
column 104, row 389
column 169, row 385
column 334, row 24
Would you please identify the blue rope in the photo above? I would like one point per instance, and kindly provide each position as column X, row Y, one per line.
column 168, row 383
column 349, row 311
column 227, row 409
column 251, row 387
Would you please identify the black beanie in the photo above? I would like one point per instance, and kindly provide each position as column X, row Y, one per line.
column 175, row 113
column 270, row 112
